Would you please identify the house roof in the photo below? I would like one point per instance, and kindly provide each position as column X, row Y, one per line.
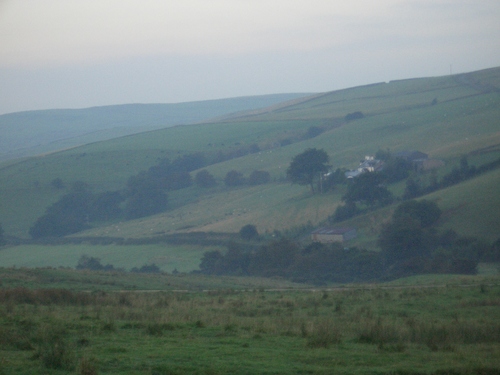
column 332, row 231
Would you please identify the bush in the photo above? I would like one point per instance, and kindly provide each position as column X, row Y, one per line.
column 151, row 268
column 354, row 116
column 204, row 179
column 249, row 232
column 90, row 263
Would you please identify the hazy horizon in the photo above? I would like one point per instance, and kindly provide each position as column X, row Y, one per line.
column 61, row 54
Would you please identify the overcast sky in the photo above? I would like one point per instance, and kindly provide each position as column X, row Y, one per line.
column 81, row 53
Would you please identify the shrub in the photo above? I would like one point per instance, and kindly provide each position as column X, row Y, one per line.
column 204, row 179
column 147, row 268
column 249, row 232
column 354, row 116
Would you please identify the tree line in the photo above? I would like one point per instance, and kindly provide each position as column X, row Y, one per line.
column 145, row 194
column 410, row 244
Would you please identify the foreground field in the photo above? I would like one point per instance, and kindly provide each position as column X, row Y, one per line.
column 447, row 328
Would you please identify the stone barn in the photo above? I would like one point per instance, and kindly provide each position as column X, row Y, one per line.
column 329, row 234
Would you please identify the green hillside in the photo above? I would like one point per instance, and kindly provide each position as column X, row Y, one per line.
column 445, row 117
column 31, row 133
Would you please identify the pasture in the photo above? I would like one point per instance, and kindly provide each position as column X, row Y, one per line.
column 447, row 327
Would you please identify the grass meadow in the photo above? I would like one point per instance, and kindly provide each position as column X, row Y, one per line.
column 452, row 327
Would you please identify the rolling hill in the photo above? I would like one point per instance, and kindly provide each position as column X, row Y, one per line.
column 445, row 117
column 31, row 133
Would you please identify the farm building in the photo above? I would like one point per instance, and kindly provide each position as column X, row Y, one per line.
column 370, row 164
column 328, row 234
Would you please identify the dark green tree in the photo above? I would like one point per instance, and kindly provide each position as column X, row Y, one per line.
column 274, row 259
column 144, row 197
column 307, row 167
column 401, row 240
column 2, row 238
column 412, row 189
column 70, row 214
column 313, row 131
column 210, row 262
column 146, row 203
column 368, row 189
column 204, row 179
column 249, row 232
column 425, row 211
column 396, row 169
column 106, row 206
column 344, row 212
column 147, row 268
column 189, row 162
column 90, row 263
column 409, row 234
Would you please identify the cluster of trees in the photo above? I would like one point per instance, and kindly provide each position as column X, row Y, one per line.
column 368, row 190
column 410, row 244
column 316, row 263
column 222, row 156
column 94, row 264
column 75, row 210
column 146, row 192
column 235, row 178
column 354, row 116
column 415, row 187
column 310, row 167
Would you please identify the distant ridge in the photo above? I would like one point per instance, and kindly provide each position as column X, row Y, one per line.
column 30, row 133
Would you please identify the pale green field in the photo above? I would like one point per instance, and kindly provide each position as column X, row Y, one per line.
column 269, row 207
column 184, row 258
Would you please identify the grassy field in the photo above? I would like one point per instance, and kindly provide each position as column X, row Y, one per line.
column 398, row 116
column 167, row 257
column 447, row 325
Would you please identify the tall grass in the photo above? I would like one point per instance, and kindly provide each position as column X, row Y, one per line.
column 63, row 330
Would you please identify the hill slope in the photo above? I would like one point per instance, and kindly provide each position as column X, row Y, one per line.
column 445, row 117
column 35, row 132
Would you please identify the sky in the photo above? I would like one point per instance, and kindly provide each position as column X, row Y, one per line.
column 83, row 53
